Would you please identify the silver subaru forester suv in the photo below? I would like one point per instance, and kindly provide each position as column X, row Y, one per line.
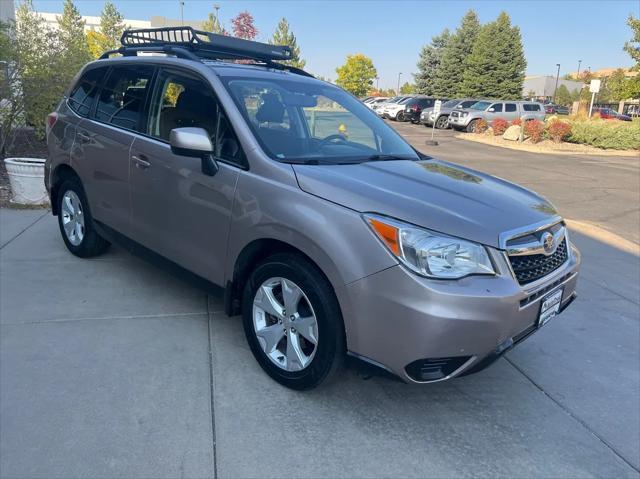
column 330, row 234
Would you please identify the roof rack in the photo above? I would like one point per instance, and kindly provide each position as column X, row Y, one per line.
column 186, row 42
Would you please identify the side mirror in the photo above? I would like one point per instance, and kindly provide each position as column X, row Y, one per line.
column 491, row 109
column 194, row 142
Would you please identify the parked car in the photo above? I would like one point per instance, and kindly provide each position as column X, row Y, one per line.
column 394, row 110
column 329, row 233
column 555, row 109
column 374, row 102
column 466, row 119
column 427, row 117
column 414, row 107
column 611, row 114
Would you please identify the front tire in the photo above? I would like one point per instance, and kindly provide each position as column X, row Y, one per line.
column 471, row 127
column 442, row 123
column 400, row 116
column 293, row 322
column 76, row 223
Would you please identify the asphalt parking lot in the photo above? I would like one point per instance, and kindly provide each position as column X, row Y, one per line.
column 112, row 368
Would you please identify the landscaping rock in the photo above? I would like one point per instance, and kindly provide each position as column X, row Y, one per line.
column 512, row 133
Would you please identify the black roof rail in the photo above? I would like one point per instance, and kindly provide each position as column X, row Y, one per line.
column 188, row 43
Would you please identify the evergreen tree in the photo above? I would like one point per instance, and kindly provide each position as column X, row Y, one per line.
column 212, row 24
column 73, row 38
column 448, row 80
column 429, row 63
column 563, row 96
column 495, row 68
column 111, row 25
column 283, row 36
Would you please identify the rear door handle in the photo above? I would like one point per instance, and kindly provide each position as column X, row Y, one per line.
column 84, row 136
column 141, row 161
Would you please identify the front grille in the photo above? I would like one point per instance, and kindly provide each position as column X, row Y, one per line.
column 532, row 267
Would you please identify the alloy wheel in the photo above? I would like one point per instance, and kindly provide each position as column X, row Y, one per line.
column 72, row 217
column 285, row 324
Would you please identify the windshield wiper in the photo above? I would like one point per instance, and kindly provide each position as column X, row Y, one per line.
column 379, row 157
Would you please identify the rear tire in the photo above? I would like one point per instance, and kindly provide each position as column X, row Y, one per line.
column 299, row 364
column 76, row 223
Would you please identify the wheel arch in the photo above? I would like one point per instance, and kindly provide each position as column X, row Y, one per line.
column 60, row 174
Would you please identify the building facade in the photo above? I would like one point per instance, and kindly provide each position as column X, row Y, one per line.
column 7, row 10
column 543, row 87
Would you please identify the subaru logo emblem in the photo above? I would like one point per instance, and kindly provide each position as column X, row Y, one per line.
column 548, row 243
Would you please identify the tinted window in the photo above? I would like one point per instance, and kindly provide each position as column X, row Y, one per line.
column 497, row 107
column 181, row 100
column 121, row 99
column 510, row 107
column 467, row 103
column 84, row 93
column 426, row 102
column 531, row 107
column 452, row 104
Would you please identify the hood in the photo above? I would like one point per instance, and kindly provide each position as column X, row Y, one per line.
column 433, row 194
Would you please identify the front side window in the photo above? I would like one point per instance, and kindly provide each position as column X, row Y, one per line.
column 480, row 105
column 121, row 100
column 497, row 107
column 312, row 122
column 182, row 100
column 468, row 103
column 84, row 93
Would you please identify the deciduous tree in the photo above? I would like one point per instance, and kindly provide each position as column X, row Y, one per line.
column 243, row 26
column 284, row 36
column 213, row 25
column 563, row 96
column 632, row 47
column 496, row 66
column 429, row 63
column 448, row 78
column 357, row 74
column 407, row 89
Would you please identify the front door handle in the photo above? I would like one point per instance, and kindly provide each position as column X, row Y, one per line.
column 141, row 162
column 84, row 137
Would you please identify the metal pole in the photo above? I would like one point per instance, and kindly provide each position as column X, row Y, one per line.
column 578, row 76
column 556, row 88
column 593, row 95
column 181, row 13
column 216, row 8
column 398, row 90
column 377, row 83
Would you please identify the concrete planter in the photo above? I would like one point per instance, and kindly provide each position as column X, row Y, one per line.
column 26, row 176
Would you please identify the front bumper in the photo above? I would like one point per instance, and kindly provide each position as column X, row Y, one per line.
column 459, row 123
column 408, row 324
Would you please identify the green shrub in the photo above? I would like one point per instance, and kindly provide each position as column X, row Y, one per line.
column 615, row 135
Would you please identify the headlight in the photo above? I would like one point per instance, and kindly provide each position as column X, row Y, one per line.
column 464, row 113
column 430, row 254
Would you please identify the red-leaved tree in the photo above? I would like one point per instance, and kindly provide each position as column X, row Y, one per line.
column 243, row 26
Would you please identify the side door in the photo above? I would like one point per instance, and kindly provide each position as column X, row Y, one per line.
column 177, row 210
column 510, row 111
column 104, row 140
column 493, row 112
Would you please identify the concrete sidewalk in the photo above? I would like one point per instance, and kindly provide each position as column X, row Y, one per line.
column 112, row 368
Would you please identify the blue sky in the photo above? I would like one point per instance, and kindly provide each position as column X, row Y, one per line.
column 392, row 32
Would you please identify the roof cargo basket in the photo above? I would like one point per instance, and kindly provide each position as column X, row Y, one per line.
column 204, row 44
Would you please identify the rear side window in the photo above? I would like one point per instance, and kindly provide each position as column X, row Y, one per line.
column 84, row 93
column 531, row 107
column 122, row 97
column 427, row 102
column 510, row 107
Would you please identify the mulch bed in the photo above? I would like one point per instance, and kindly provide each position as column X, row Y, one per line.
column 25, row 145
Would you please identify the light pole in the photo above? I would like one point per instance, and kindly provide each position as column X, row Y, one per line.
column 181, row 12
column 557, row 77
column 399, row 75
column 216, row 7
column 578, row 76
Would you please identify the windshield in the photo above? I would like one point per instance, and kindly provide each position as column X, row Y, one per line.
column 481, row 105
column 313, row 122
